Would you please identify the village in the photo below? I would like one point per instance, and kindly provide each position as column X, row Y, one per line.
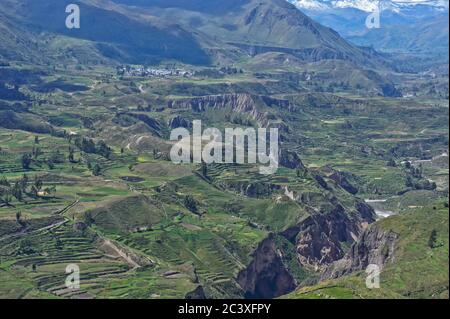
column 142, row 71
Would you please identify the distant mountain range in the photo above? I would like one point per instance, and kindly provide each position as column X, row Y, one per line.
column 200, row 32
column 212, row 32
column 370, row 5
column 411, row 27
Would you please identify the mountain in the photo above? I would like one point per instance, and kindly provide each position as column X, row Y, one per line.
column 259, row 27
column 87, row 176
column 413, row 27
column 370, row 5
column 105, row 31
column 205, row 32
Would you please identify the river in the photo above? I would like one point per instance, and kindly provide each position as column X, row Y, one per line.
column 377, row 205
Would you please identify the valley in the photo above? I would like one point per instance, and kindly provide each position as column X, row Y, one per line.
column 86, row 176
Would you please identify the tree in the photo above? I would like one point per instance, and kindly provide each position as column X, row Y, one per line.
column 24, row 183
column 204, row 169
column 96, row 170
column 4, row 182
column 19, row 219
column 85, row 144
column 191, row 204
column 17, row 191
column 432, row 239
column 34, row 191
column 88, row 218
column 38, row 183
column 103, row 149
column 36, row 152
column 26, row 161
column 50, row 190
column 71, row 155
column 50, row 164
column 18, row 216
column 409, row 182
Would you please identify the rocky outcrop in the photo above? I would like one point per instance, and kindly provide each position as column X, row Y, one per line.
column 152, row 123
column 255, row 190
column 343, row 182
column 238, row 102
column 266, row 276
column 374, row 246
column 178, row 121
column 365, row 211
column 318, row 238
column 321, row 181
column 290, row 159
column 251, row 105
column 273, row 102
column 197, row 293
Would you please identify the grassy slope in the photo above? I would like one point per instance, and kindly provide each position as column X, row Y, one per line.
column 206, row 242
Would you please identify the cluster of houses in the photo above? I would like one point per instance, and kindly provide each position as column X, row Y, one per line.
column 141, row 71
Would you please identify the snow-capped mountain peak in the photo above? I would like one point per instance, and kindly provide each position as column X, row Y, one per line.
column 369, row 5
column 311, row 4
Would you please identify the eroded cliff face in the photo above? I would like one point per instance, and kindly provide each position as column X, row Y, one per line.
column 374, row 246
column 319, row 237
column 251, row 105
column 249, row 189
column 266, row 276
column 318, row 240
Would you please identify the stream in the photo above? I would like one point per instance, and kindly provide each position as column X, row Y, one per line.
column 377, row 205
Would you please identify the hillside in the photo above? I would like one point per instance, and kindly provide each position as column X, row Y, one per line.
column 412, row 253
column 415, row 29
column 111, row 33
column 140, row 31
column 87, row 176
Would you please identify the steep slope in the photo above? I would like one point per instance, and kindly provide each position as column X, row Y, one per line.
column 136, row 31
column 413, row 261
column 258, row 27
column 414, row 27
column 113, row 33
column 424, row 35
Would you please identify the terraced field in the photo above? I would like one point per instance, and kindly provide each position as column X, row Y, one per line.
column 85, row 179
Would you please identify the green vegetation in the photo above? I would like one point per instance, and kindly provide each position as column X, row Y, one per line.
column 107, row 168
column 86, row 176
